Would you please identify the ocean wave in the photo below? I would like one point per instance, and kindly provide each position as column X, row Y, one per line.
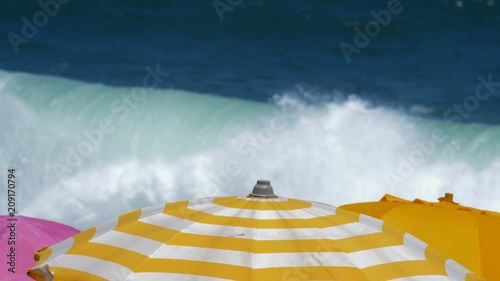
column 177, row 145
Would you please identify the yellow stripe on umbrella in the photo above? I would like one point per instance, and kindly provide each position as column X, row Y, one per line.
column 255, row 237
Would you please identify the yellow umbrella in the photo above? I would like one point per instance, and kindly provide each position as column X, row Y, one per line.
column 256, row 237
column 468, row 235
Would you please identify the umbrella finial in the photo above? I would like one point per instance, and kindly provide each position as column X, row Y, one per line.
column 448, row 197
column 263, row 188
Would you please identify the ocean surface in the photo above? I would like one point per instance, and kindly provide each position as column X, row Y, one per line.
column 109, row 106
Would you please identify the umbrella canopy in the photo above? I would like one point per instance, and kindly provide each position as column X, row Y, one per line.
column 255, row 237
column 27, row 235
column 468, row 235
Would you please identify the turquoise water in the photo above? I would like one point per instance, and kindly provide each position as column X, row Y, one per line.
column 175, row 144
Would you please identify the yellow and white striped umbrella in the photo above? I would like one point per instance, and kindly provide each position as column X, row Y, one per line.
column 255, row 237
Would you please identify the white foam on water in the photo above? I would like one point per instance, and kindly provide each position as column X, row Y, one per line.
column 340, row 154
column 180, row 145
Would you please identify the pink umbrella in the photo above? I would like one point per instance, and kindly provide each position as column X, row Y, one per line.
column 20, row 239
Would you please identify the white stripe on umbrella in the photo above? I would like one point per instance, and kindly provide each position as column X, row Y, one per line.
column 187, row 226
column 314, row 211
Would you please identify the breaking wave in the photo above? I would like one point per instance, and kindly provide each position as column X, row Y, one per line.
column 85, row 153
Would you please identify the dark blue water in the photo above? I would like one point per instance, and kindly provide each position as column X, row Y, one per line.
column 355, row 123
column 429, row 55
